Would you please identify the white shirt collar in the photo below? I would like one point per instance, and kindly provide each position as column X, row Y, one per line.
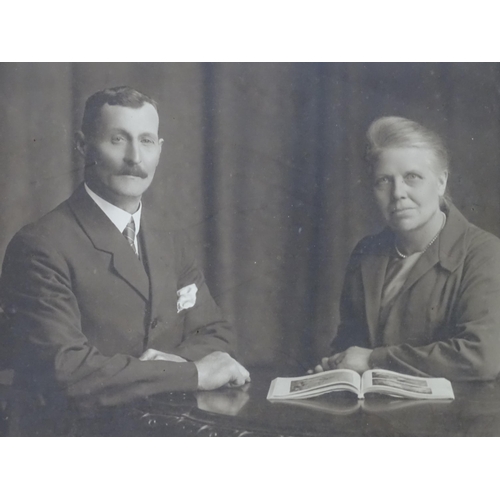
column 120, row 218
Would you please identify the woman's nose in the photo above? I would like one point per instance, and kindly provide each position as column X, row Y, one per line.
column 399, row 189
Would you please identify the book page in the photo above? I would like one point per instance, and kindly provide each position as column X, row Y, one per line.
column 398, row 384
column 312, row 385
column 325, row 403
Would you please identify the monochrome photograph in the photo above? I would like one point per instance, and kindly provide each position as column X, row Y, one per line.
column 178, row 232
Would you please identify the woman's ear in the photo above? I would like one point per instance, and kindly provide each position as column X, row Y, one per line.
column 442, row 182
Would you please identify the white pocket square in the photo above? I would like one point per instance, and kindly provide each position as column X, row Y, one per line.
column 187, row 297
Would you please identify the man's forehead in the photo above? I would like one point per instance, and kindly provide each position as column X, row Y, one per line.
column 143, row 118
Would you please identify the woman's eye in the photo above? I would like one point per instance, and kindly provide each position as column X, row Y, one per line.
column 412, row 177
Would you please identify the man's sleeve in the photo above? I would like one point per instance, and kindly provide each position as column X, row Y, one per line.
column 470, row 349
column 205, row 329
column 37, row 291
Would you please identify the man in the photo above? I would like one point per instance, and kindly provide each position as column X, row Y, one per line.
column 104, row 306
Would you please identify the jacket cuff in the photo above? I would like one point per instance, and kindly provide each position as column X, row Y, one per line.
column 187, row 377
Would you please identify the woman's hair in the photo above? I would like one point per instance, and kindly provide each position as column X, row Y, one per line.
column 396, row 132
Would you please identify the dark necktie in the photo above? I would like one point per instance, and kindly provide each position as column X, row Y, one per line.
column 129, row 233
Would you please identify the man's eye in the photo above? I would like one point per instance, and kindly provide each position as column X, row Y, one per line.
column 146, row 140
column 117, row 139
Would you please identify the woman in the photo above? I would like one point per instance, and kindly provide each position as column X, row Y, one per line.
column 423, row 296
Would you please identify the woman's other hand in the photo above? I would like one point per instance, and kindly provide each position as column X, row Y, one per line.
column 354, row 358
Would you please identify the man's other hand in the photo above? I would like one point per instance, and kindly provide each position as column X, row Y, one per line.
column 154, row 355
column 218, row 369
column 354, row 358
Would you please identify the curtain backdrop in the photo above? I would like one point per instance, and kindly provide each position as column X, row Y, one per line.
column 262, row 165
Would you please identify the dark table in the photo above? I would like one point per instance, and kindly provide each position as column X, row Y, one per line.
column 246, row 412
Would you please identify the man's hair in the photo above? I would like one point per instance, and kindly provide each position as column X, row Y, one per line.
column 116, row 96
column 396, row 132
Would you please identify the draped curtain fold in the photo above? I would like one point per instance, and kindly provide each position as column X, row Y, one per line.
column 262, row 165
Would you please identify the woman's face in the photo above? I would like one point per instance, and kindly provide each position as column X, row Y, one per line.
column 407, row 187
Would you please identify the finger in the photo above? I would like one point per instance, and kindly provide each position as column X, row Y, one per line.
column 324, row 363
column 244, row 377
column 318, row 369
column 341, row 365
column 343, row 362
column 333, row 361
column 309, row 372
column 243, row 371
column 244, row 374
column 237, row 381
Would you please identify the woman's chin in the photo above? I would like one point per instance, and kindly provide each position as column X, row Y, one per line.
column 402, row 225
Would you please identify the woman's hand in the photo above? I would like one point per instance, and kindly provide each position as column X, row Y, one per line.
column 354, row 358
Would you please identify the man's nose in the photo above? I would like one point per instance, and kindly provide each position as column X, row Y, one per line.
column 133, row 153
column 398, row 189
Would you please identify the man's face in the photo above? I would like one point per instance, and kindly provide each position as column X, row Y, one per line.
column 123, row 153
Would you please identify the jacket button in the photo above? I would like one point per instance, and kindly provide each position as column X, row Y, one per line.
column 154, row 323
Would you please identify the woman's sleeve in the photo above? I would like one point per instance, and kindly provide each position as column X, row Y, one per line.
column 353, row 328
column 471, row 350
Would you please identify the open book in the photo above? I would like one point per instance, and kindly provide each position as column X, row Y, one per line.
column 333, row 405
column 372, row 381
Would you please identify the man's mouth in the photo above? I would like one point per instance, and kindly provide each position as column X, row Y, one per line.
column 134, row 173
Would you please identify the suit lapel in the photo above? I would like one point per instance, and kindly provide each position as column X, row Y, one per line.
column 158, row 260
column 106, row 238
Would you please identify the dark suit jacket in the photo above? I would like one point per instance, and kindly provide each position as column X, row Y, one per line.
column 83, row 309
column 446, row 319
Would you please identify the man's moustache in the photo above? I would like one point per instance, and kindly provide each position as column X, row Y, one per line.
column 133, row 171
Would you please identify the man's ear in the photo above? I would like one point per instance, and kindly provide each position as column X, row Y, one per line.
column 160, row 142
column 81, row 143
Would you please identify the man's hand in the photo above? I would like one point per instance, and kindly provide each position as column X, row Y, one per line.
column 218, row 369
column 154, row 355
column 354, row 358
